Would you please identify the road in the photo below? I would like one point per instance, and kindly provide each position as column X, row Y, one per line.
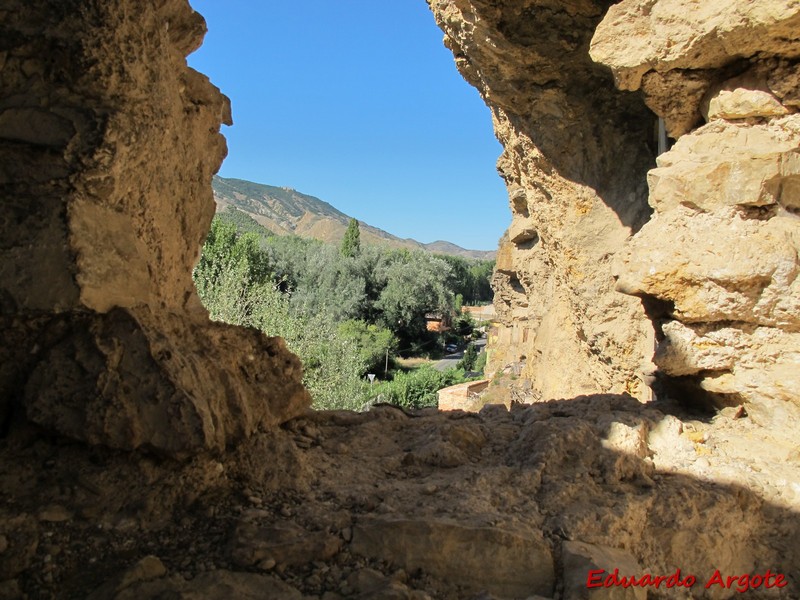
column 449, row 361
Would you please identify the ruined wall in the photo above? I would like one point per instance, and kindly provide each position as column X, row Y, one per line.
column 108, row 142
column 716, row 265
column 722, row 249
column 576, row 153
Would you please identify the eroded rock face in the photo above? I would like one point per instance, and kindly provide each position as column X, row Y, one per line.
column 676, row 49
column 576, row 151
column 108, row 142
column 721, row 252
column 716, row 265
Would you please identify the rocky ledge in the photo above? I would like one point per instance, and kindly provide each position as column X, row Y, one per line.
column 519, row 503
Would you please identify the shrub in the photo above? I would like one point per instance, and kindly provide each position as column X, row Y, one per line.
column 467, row 363
column 480, row 364
column 416, row 389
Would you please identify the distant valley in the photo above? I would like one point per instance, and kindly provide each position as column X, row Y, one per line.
column 287, row 211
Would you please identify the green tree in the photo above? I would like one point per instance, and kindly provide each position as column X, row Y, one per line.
column 480, row 364
column 332, row 370
column 351, row 243
column 470, row 278
column 230, row 267
column 289, row 259
column 334, row 286
column 415, row 285
column 463, row 325
column 236, row 285
column 470, row 357
column 372, row 343
column 480, row 277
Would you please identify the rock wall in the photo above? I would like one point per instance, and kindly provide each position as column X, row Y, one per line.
column 721, row 252
column 716, row 265
column 576, row 153
column 108, row 142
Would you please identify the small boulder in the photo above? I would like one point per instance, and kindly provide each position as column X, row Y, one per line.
column 741, row 98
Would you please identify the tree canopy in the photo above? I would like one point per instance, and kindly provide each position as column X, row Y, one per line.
column 340, row 311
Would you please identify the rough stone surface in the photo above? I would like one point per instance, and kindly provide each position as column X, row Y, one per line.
column 667, row 489
column 742, row 98
column 147, row 569
column 715, row 267
column 576, row 151
column 682, row 45
column 718, row 263
column 21, row 535
column 219, row 585
column 579, row 559
column 108, row 142
column 282, row 544
column 130, row 379
column 726, row 197
column 479, row 558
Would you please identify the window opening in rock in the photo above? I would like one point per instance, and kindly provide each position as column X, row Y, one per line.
column 351, row 132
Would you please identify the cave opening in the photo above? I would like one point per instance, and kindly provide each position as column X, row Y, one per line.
column 158, row 454
column 387, row 132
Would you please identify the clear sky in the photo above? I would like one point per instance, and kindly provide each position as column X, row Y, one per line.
column 359, row 103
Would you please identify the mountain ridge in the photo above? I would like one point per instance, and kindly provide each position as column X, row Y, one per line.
column 284, row 210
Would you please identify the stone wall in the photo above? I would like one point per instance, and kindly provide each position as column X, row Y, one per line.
column 108, row 142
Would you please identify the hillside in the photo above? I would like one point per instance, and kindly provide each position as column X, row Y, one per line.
column 284, row 210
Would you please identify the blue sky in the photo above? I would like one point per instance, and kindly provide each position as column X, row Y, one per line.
column 358, row 103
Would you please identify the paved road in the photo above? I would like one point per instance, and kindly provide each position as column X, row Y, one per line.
column 449, row 361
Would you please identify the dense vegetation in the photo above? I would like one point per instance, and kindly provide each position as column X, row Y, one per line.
column 346, row 311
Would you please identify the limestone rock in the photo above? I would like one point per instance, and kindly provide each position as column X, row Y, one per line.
column 664, row 35
column 10, row 590
column 574, row 162
column 727, row 164
column 580, row 558
column 722, row 251
column 561, row 327
column 714, row 279
column 368, row 584
column 108, row 143
column 783, row 79
column 742, row 103
column 55, row 513
column 475, row 557
column 676, row 49
column 133, row 378
column 147, row 569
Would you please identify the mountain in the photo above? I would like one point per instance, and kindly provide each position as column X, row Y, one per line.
column 284, row 210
